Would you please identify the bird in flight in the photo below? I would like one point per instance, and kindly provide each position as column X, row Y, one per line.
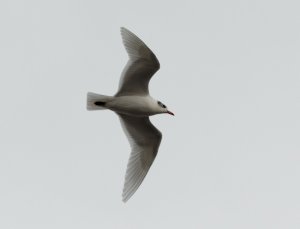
column 133, row 104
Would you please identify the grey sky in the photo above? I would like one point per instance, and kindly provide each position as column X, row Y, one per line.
column 228, row 159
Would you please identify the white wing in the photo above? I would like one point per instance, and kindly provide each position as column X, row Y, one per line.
column 144, row 140
column 141, row 66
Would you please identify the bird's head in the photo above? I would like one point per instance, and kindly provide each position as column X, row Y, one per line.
column 163, row 108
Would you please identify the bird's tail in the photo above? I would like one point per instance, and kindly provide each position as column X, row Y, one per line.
column 96, row 101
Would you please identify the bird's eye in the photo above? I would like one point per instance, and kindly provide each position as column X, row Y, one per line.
column 161, row 104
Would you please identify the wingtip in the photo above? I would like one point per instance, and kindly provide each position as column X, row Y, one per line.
column 125, row 198
column 123, row 29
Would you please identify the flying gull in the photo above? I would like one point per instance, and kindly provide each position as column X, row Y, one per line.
column 133, row 104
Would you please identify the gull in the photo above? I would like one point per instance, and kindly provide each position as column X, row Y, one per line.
column 133, row 104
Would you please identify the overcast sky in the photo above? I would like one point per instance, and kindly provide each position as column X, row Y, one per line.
column 229, row 71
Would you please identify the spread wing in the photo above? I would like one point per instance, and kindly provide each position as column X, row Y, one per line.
column 144, row 140
column 141, row 66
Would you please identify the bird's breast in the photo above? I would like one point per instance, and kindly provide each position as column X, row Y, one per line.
column 132, row 105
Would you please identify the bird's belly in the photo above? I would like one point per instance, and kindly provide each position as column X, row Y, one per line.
column 131, row 105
